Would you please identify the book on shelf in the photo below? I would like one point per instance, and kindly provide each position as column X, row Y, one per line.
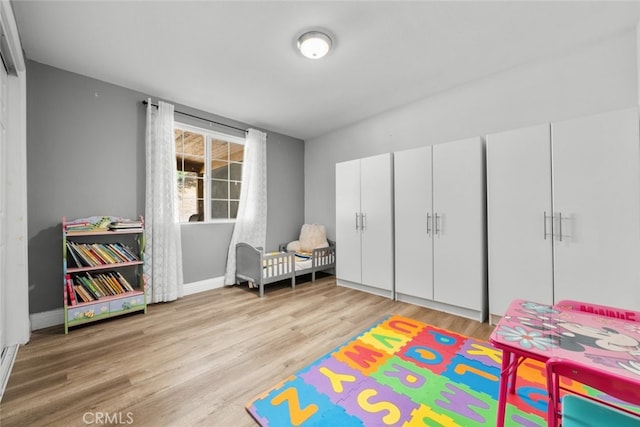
column 121, row 279
column 115, row 254
column 71, row 256
column 84, row 282
column 70, row 290
column 127, row 251
column 125, row 224
column 83, row 294
column 103, row 254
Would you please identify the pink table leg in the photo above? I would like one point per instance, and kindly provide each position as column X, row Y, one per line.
column 504, row 381
column 514, row 372
column 553, row 389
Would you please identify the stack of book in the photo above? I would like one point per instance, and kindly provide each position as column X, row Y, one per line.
column 94, row 223
column 125, row 224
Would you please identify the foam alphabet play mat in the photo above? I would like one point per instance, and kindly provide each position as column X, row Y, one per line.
column 402, row 372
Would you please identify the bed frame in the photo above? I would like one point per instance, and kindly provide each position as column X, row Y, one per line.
column 259, row 269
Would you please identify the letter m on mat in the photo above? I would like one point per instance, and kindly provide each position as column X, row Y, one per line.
column 361, row 356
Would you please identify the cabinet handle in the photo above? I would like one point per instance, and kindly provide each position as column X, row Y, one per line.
column 428, row 224
column 364, row 221
column 357, row 222
column 544, row 221
column 437, row 226
column 560, row 226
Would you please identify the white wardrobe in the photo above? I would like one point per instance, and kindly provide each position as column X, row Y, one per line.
column 364, row 224
column 440, row 243
column 564, row 212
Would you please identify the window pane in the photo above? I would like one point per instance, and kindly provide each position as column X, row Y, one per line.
column 219, row 189
column 178, row 139
column 236, row 152
column 220, row 169
column 190, row 151
column 188, row 184
column 219, row 209
column 234, row 190
column 235, row 171
column 189, row 211
column 234, row 209
column 219, row 149
column 190, row 195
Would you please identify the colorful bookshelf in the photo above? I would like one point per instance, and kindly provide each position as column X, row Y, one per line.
column 102, row 260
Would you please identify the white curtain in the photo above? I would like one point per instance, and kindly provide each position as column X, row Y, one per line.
column 163, row 251
column 251, row 221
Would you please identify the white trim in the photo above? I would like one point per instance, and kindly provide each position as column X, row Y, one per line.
column 387, row 293
column 440, row 306
column 8, row 358
column 15, row 280
column 11, row 35
column 203, row 285
column 46, row 319
column 55, row 317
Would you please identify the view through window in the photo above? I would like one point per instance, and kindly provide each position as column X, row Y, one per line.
column 209, row 166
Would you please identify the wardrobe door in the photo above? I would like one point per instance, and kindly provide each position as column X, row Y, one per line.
column 347, row 221
column 377, row 222
column 413, row 223
column 459, row 257
column 596, row 196
column 518, row 217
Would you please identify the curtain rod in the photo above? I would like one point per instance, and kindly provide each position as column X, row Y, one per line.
column 145, row 102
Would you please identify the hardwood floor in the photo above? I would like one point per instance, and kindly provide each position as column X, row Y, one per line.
column 196, row 361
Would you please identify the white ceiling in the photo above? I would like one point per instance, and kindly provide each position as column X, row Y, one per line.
column 238, row 58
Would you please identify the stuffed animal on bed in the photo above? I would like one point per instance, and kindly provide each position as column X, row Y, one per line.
column 312, row 236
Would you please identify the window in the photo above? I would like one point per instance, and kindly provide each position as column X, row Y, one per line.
column 208, row 193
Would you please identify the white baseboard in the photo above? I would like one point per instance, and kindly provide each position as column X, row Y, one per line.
column 46, row 318
column 55, row 317
column 203, row 285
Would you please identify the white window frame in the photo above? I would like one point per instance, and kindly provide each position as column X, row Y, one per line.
column 209, row 135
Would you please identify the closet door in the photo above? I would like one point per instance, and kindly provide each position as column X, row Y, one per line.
column 459, row 274
column 377, row 221
column 596, row 191
column 347, row 223
column 518, row 217
column 413, row 223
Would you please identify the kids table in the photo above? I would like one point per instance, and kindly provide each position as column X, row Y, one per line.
column 601, row 337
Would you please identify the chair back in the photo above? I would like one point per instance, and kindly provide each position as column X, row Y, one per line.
column 621, row 388
column 581, row 412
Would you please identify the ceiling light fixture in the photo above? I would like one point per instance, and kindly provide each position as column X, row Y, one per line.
column 314, row 44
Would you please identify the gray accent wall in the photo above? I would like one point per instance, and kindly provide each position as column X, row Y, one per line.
column 85, row 156
column 596, row 78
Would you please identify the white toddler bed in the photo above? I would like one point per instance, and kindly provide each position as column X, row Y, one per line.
column 259, row 268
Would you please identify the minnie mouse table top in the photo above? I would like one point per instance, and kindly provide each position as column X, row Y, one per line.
column 603, row 337
column 541, row 331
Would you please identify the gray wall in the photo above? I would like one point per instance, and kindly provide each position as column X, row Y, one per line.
column 593, row 79
column 85, row 156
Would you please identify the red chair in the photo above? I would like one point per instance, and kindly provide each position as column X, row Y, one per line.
column 619, row 387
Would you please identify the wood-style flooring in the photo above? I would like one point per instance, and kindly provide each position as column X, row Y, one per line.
column 193, row 362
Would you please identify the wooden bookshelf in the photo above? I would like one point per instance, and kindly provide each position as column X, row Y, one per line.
column 102, row 272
